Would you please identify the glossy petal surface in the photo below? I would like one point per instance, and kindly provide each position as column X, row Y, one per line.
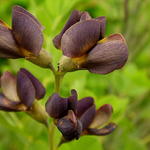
column 80, row 38
column 57, row 106
column 83, row 105
column 39, row 88
column 74, row 18
column 8, row 47
column 69, row 126
column 108, row 55
column 102, row 20
column 26, row 30
column 25, row 89
column 88, row 116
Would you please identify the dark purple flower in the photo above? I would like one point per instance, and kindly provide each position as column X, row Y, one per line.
column 82, row 40
column 24, row 39
column 19, row 92
column 82, row 119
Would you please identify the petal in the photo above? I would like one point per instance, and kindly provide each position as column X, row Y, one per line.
column 85, row 16
column 87, row 117
column 39, row 88
column 26, row 30
column 8, row 47
column 22, row 10
column 69, row 126
column 8, row 85
column 9, row 105
column 83, row 105
column 108, row 55
column 25, row 89
column 72, row 101
column 102, row 20
column 74, row 18
column 103, row 131
column 80, row 38
column 103, row 114
column 57, row 106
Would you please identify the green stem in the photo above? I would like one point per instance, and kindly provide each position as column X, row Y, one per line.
column 51, row 136
column 51, row 129
column 58, row 80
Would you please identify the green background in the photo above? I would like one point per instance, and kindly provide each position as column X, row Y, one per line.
column 128, row 90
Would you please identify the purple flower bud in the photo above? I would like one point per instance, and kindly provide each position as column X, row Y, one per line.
column 39, row 88
column 75, row 118
column 25, row 89
column 69, row 126
column 19, row 93
column 57, row 106
column 84, row 46
column 26, row 30
column 25, row 39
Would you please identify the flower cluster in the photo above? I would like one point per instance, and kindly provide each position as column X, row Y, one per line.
column 77, row 118
column 84, row 46
column 82, row 40
column 19, row 92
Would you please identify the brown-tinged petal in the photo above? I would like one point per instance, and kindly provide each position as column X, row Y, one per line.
column 80, row 38
column 8, row 47
column 102, row 20
column 103, row 114
column 103, row 131
column 39, row 88
column 83, row 105
column 10, row 105
column 87, row 117
column 74, row 18
column 72, row 101
column 57, row 106
column 85, row 16
column 8, row 85
column 21, row 9
column 108, row 55
column 26, row 30
column 69, row 126
column 25, row 89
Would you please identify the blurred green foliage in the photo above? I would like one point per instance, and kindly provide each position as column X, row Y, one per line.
column 127, row 90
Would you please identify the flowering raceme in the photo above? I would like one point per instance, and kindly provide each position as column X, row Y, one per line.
column 84, row 46
column 19, row 92
column 82, row 42
column 77, row 118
